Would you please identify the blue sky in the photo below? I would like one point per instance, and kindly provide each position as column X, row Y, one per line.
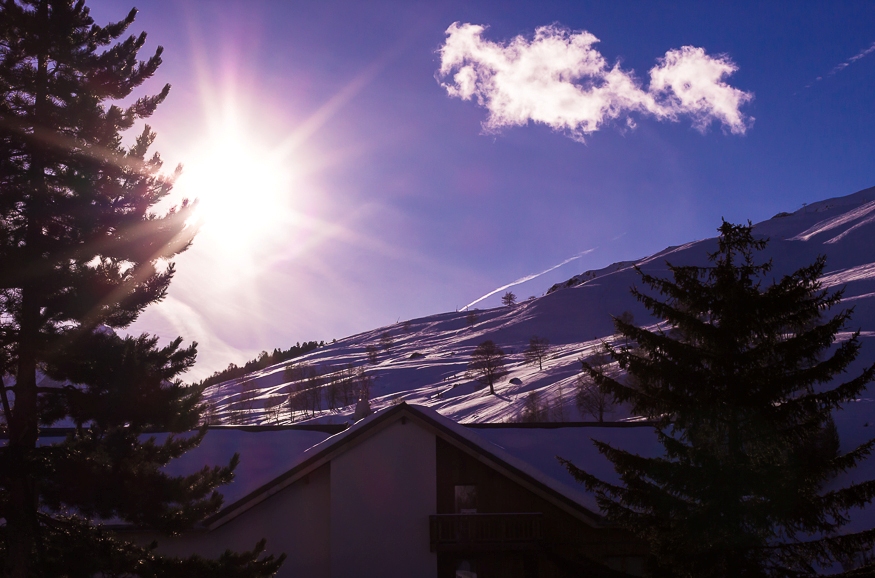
column 390, row 200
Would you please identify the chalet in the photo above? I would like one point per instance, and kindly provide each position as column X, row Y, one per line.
column 406, row 492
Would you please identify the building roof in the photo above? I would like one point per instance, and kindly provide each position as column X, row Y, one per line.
column 274, row 459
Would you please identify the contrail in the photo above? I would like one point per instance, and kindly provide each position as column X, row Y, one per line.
column 529, row 277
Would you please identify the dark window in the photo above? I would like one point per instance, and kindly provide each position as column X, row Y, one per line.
column 465, row 569
column 466, row 499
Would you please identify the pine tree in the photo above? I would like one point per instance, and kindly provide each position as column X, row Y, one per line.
column 81, row 252
column 740, row 386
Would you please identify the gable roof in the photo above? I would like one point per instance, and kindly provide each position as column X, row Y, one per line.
column 565, row 494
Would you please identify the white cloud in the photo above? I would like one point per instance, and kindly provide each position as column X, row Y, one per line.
column 689, row 82
column 557, row 78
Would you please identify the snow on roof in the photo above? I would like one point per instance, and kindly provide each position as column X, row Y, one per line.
column 533, row 452
column 540, row 448
column 264, row 455
column 525, row 453
column 271, row 458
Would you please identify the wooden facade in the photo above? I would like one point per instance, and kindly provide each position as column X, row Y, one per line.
column 548, row 541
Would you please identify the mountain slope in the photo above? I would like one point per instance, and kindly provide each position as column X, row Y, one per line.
column 427, row 358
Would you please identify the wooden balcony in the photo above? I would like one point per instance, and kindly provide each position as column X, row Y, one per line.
column 484, row 532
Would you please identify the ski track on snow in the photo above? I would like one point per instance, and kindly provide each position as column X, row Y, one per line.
column 838, row 221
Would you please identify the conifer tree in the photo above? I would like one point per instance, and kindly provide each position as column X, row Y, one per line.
column 81, row 252
column 740, row 384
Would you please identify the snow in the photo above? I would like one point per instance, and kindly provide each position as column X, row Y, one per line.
column 845, row 276
column 269, row 453
column 540, row 449
column 576, row 320
column 835, row 222
column 576, row 317
column 264, row 455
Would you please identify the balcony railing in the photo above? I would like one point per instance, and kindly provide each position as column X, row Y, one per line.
column 485, row 531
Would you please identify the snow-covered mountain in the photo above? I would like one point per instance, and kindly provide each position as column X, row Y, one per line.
column 424, row 361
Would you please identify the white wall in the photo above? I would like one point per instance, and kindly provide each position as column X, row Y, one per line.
column 382, row 493
column 294, row 521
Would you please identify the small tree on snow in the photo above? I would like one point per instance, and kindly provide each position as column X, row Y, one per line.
column 363, row 384
column 471, row 318
column 273, row 408
column 626, row 318
column 508, row 299
column 209, row 414
column 313, row 390
column 347, row 384
column 558, row 411
column 304, row 394
column 332, row 387
column 372, row 353
column 534, row 410
column 590, row 398
column 248, row 394
column 487, row 364
column 537, row 351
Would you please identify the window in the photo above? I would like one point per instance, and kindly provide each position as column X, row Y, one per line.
column 465, row 569
column 466, row 499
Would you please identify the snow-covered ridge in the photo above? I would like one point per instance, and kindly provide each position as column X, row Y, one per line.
column 423, row 361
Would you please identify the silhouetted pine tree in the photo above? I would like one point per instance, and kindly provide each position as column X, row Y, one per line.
column 739, row 385
column 80, row 250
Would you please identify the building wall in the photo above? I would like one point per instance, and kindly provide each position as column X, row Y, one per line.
column 294, row 521
column 383, row 491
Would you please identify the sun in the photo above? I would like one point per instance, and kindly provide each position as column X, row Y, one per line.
column 242, row 188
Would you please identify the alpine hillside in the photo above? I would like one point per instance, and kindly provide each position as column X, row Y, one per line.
column 424, row 361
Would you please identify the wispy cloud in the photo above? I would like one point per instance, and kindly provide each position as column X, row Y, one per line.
column 528, row 278
column 843, row 65
column 557, row 78
column 859, row 56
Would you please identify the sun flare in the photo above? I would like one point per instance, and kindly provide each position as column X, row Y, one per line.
column 241, row 187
